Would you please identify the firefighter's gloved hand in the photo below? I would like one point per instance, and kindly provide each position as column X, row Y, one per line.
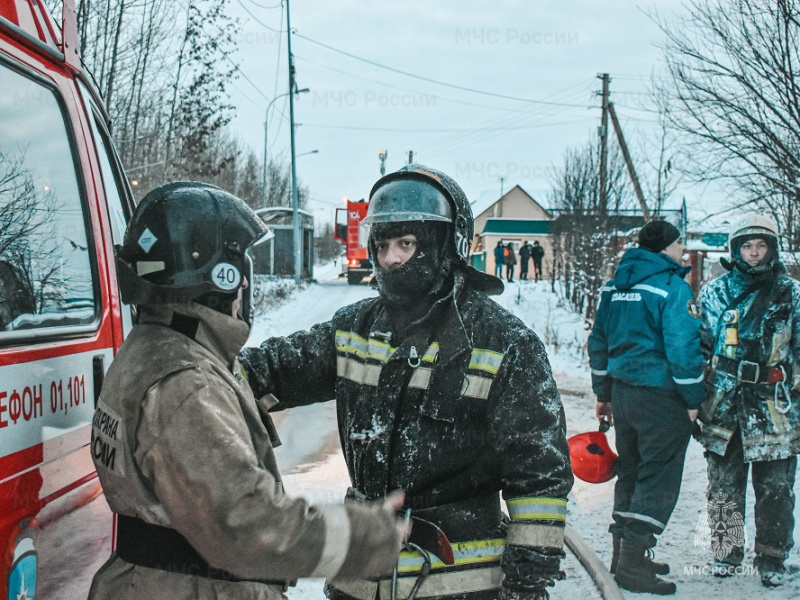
column 534, row 594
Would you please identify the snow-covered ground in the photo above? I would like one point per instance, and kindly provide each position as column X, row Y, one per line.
column 313, row 467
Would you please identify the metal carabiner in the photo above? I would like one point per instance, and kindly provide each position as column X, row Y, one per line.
column 413, row 358
column 787, row 393
column 424, row 572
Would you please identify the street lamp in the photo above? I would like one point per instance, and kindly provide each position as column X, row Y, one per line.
column 266, row 118
column 307, row 153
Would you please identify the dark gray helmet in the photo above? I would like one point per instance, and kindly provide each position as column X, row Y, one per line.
column 418, row 193
column 186, row 240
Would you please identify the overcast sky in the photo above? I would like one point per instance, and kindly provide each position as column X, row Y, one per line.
column 536, row 63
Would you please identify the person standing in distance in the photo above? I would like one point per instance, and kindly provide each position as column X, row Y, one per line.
column 537, row 254
column 647, row 373
column 499, row 259
column 751, row 419
column 186, row 458
column 524, row 257
column 443, row 393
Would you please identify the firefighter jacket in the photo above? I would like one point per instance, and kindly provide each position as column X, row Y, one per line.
column 647, row 330
column 462, row 408
column 179, row 442
column 755, row 339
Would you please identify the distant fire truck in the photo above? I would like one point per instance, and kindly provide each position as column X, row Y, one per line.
column 353, row 235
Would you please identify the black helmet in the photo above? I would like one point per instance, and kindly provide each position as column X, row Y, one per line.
column 187, row 240
column 417, row 193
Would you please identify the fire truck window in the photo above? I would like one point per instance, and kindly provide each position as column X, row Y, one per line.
column 45, row 268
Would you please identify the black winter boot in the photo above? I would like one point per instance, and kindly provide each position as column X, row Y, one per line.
column 633, row 573
column 658, row 568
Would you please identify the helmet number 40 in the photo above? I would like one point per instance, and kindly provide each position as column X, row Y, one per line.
column 226, row 276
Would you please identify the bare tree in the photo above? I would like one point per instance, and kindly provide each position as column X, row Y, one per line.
column 733, row 83
column 582, row 232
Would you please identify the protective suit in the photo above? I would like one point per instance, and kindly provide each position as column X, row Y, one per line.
column 443, row 393
column 182, row 448
column 751, row 419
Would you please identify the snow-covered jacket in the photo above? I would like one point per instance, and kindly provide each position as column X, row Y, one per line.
column 647, row 330
column 179, row 442
column 462, row 409
column 767, row 333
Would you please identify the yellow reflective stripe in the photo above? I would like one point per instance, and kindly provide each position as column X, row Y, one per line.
column 354, row 370
column 485, row 360
column 421, row 378
column 537, row 509
column 351, row 343
column 476, row 386
column 465, row 553
column 778, row 420
column 726, row 434
column 535, row 534
column 431, row 353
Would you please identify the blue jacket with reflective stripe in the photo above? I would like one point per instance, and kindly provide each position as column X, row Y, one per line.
column 647, row 329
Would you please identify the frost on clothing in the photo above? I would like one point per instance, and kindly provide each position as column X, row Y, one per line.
column 461, row 408
column 645, row 344
column 193, row 454
column 768, row 332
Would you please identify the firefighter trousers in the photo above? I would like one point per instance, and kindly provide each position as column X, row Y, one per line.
column 773, row 484
column 652, row 433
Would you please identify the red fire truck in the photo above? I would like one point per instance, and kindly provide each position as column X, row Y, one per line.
column 64, row 203
column 349, row 231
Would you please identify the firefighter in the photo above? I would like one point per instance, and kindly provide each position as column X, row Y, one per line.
column 647, row 372
column 751, row 419
column 182, row 448
column 442, row 392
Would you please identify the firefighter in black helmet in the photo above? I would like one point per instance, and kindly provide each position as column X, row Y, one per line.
column 183, row 450
column 441, row 392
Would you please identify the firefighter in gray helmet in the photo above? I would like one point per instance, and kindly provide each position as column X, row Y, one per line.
column 751, row 418
column 443, row 393
column 183, row 450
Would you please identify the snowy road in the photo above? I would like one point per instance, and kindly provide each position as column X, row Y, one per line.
column 312, row 465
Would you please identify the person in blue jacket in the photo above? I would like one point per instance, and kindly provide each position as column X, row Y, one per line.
column 499, row 259
column 645, row 355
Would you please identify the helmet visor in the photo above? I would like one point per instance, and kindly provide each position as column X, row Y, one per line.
column 408, row 200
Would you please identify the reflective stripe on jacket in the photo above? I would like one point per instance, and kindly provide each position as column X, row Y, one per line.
column 647, row 329
column 461, row 411
column 767, row 415
column 191, row 452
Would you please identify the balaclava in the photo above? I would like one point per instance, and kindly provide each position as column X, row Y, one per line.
column 419, row 282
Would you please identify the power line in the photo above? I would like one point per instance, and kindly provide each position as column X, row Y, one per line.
column 279, row 5
column 442, row 83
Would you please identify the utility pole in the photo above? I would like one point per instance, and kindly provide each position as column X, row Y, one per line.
column 603, row 134
column 296, row 231
column 628, row 162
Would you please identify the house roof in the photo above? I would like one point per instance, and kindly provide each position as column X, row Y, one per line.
column 488, row 199
column 517, row 226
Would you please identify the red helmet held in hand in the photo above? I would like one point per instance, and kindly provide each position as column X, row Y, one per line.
column 592, row 458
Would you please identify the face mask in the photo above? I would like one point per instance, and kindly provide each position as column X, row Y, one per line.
column 413, row 280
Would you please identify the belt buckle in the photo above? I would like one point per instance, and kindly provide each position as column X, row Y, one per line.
column 745, row 368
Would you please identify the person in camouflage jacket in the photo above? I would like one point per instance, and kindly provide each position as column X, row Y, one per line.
column 751, row 418
column 441, row 392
